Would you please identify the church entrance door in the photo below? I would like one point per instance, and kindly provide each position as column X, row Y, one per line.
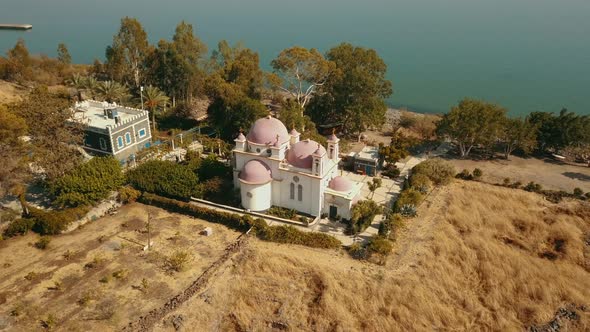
column 333, row 211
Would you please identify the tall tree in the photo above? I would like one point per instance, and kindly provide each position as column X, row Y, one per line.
column 472, row 122
column 63, row 54
column 126, row 56
column 190, row 50
column 19, row 62
column 155, row 101
column 53, row 136
column 301, row 72
column 517, row 134
column 354, row 95
column 234, row 87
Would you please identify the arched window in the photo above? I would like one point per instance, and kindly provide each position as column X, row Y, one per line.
column 300, row 192
column 292, row 191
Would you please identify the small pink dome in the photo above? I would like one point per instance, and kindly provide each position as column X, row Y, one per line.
column 300, row 153
column 332, row 138
column 340, row 183
column 255, row 172
column 241, row 137
column 265, row 131
column 294, row 132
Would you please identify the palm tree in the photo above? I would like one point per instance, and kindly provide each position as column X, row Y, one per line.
column 155, row 99
column 112, row 91
column 91, row 85
column 78, row 82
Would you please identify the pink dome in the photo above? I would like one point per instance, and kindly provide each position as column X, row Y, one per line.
column 294, row 132
column 332, row 138
column 255, row 172
column 265, row 131
column 340, row 183
column 300, row 153
column 241, row 138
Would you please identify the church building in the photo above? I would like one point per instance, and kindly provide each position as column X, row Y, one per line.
column 274, row 167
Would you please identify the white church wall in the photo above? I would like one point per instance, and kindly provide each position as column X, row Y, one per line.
column 256, row 197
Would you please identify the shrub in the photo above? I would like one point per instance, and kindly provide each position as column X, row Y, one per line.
column 465, row 175
column 362, row 215
column 232, row 220
column 43, row 242
column 380, row 245
column 506, row 182
column 516, row 185
column 421, row 183
column 291, row 235
column 178, row 261
column 408, row 197
column 533, row 187
column 391, row 171
column 281, row 234
column 282, row 212
column 210, row 168
column 357, row 251
column 128, row 195
column 588, row 195
column 19, row 227
column 578, row 192
column 391, row 226
column 54, row 222
column 437, row 170
column 408, row 210
column 87, row 183
column 477, row 173
column 165, row 178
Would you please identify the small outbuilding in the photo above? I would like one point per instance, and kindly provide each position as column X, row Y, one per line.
column 367, row 160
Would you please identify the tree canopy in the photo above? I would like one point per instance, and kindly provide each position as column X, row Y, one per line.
column 54, row 139
column 300, row 72
column 126, row 56
column 472, row 122
column 354, row 95
column 234, row 88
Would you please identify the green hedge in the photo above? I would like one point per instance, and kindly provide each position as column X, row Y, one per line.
column 291, row 235
column 46, row 222
column 280, row 234
column 232, row 220
column 165, row 178
column 409, row 196
column 87, row 183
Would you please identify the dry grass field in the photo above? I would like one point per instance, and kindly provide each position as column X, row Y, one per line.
column 478, row 258
column 98, row 278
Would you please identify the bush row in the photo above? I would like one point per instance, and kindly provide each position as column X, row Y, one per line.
column 46, row 222
column 554, row 196
column 280, row 234
column 231, row 220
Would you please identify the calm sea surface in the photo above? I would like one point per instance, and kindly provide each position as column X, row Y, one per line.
column 524, row 54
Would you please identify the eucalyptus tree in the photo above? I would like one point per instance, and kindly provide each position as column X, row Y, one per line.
column 353, row 96
column 300, row 72
column 126, row 56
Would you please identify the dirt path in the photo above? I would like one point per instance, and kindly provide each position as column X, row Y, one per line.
column 146, row 323
column 418, row 233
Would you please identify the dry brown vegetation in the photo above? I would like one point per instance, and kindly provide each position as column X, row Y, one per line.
column 98, row 278
column 479, row 257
